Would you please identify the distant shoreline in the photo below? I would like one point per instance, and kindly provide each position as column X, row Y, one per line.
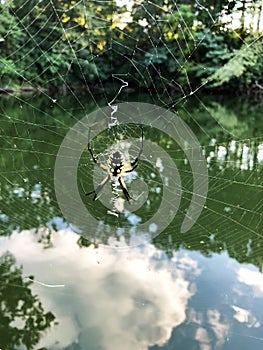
column 22, row 89
column 63, row 89
column 254, row 92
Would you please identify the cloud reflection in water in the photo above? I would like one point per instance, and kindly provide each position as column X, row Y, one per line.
column 110, row 297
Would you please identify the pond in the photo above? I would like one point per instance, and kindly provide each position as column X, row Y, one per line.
column 100, row 274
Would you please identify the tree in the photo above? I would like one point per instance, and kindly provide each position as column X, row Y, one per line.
column 246, row 64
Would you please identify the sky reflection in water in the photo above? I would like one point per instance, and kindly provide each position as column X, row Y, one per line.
column 104, row 298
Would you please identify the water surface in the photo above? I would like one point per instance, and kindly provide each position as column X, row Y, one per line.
column 199, row 290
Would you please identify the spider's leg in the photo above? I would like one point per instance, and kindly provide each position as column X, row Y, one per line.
column 90, row 150
column 131, row 166
column 124, row 189
column 99, row 188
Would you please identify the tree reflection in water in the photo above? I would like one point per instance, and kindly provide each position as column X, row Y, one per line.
column 22, row 316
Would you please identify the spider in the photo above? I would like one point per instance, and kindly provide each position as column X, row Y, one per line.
column 115, row 168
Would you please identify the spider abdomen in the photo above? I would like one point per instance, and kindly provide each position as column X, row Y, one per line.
column 115, row 163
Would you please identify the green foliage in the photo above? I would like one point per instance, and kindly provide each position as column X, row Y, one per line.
column 54, row 43
column 158, row 55
column 210, row 53
column 11, row 34
column 245, row 62
column 53, row 66
column 8, row 71
column 207, row 11
column 11, row 37
column 83, row 67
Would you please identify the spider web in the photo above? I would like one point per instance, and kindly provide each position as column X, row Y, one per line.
column 33, row 127
column 226, row 152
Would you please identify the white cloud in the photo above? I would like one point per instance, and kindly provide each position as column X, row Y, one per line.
column 251, row 278
column 244, row 316
column 111, row 297
column 203, row 338
column 220, row 327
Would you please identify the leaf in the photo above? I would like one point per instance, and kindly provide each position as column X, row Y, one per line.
column 239, row 62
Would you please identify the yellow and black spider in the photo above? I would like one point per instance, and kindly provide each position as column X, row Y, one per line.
column 115, row 168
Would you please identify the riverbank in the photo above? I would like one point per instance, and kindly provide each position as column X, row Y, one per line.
column 22, row 90
column 254, row 92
